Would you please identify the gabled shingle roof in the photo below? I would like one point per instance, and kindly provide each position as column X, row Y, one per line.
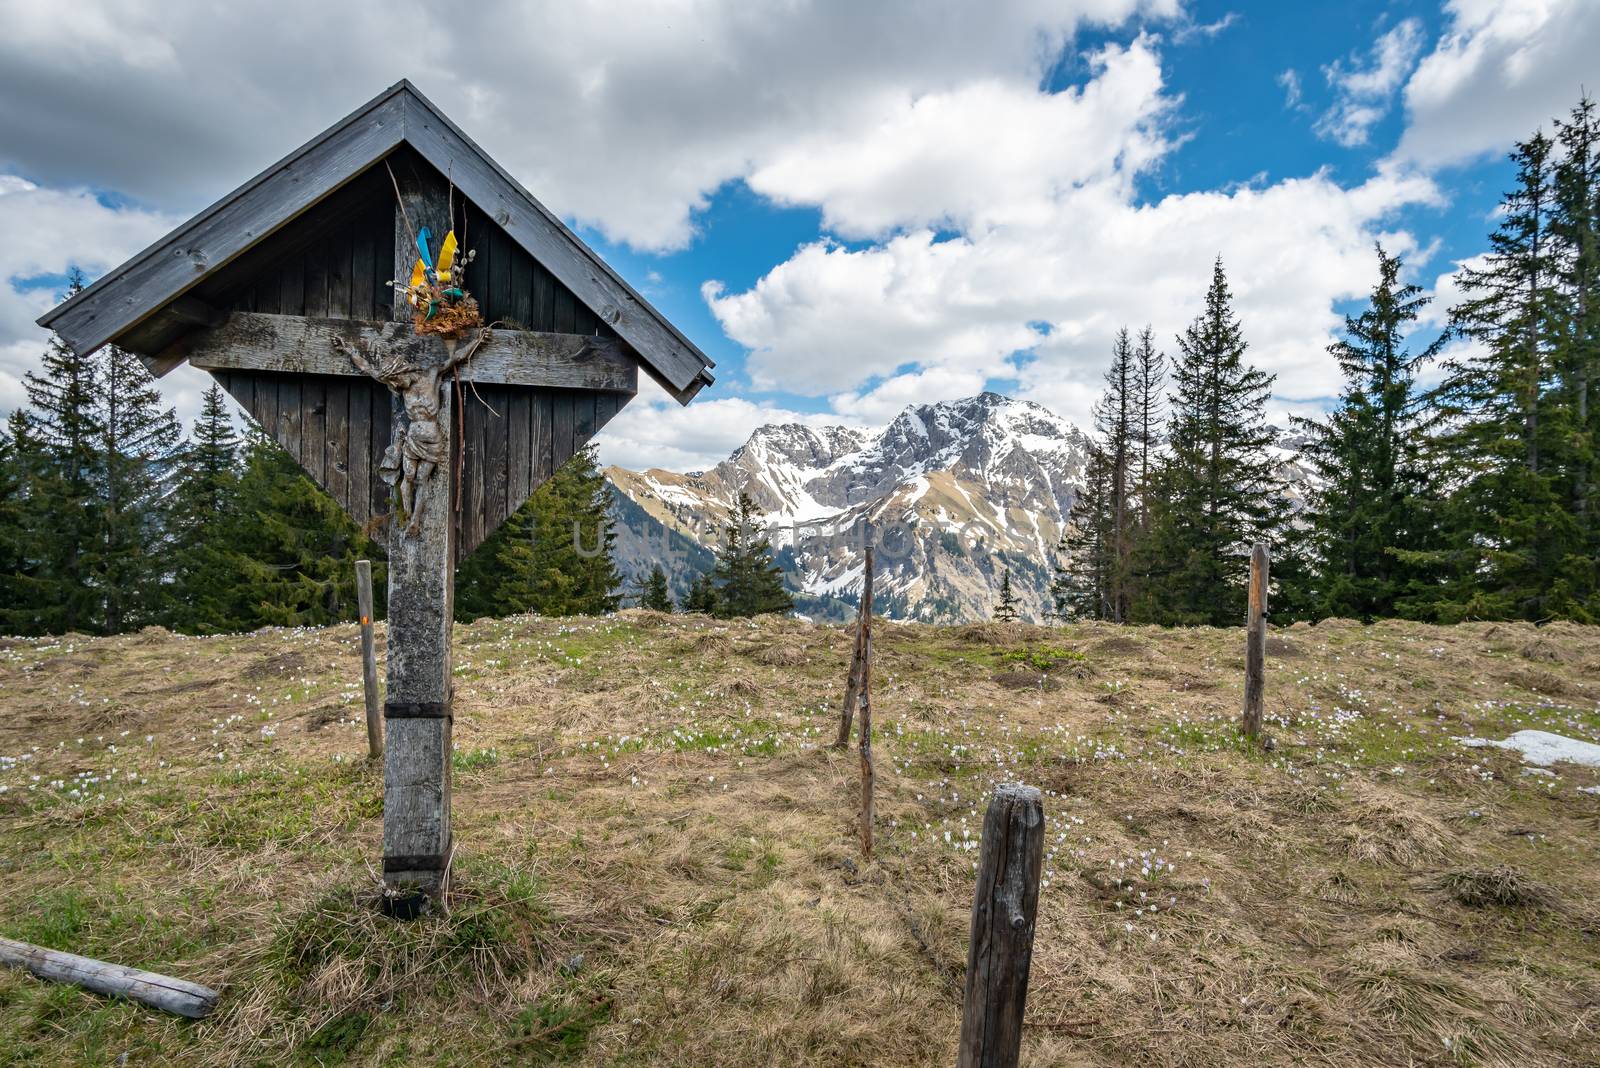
column 160, row 275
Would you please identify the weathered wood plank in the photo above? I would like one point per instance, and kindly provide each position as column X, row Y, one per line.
column 336, row 441
column 500, row 276
column 363, row 267
column 340, row 273
column 287, row 431
column 541, row 435
column 583, row 419
column 520, row 461
column 292, row 343
column 316, row 270
column 606, row 407
column 313, row 425
column 544, row 298
column 160, row 991
column 564, row 422
column 1005, row 904
column 359, row 453
column 496, row 458
column 472, row 487
column 520, row 312
column 266, row 409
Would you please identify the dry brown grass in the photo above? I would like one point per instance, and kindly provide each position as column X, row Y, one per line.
column 657, row 863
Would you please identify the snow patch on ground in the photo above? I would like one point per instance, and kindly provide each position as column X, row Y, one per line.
column 1542, row 747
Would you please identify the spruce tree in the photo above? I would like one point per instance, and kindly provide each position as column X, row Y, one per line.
column 13, row 536
column 655, row 595
column 1116, row 421
column 747, row 581
column 294, row 549
column 702, row 595
column 554, row 556
column 1081, row 587
column 1515, row 545
column 1062, row 585
column 64, row 534
column 204, row 499
column 1576, row 229
column 1005, row 609
column 1370, row 527
column 138, row 441
column 1216, row 490
column 1149, row 380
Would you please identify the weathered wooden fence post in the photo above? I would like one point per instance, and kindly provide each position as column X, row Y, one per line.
column 1000, row 948
column 852, row 686
column 369, row 659
column 867, row 774
column 852, row 689
column 1255, row 648
column 417, row 709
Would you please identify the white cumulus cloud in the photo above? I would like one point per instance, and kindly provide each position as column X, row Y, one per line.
column 1501, row 69
column 1364, row 88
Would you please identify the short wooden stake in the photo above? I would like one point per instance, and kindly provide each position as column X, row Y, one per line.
column 1000, row 947
column 369, row 660
column 159, row 991
column 1255, row 648
column 867, row 774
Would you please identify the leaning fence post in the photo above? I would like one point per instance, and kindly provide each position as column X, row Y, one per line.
column 1255, row 648
column 369, row 659
column 1000, row 947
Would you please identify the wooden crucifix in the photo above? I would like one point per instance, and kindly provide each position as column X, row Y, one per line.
column 282, row 291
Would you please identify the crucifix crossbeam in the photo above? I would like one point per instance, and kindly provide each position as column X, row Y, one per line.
column 295, row 344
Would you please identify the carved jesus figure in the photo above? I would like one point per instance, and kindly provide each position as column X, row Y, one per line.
column 417, row 449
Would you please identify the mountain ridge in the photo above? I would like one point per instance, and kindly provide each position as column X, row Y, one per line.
column 958, row 492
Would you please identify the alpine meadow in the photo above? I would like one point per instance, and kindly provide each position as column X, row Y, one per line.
column 740, row 534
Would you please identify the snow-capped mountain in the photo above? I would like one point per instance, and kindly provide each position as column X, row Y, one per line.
column 957, row 493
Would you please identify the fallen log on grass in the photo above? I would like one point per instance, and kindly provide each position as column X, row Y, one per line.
column 160, row 991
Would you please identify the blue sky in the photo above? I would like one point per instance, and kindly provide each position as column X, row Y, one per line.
column 849, row 207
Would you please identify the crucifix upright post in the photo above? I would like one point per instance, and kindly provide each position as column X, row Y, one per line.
column 418, row 718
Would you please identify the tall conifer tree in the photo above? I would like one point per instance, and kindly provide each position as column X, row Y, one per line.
column 553, row 556
column 65, row 526
column 747, row 581
column 1116, row 420
column 138, row 442
column 655, row 595
column 1506, row 428
column 1218, row 490
column 205, row 499
column 1007, row 608
column 1576, row 228
column 1081, row 588
column 1149, row 381
column 1370, row 522
column 295, row 548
